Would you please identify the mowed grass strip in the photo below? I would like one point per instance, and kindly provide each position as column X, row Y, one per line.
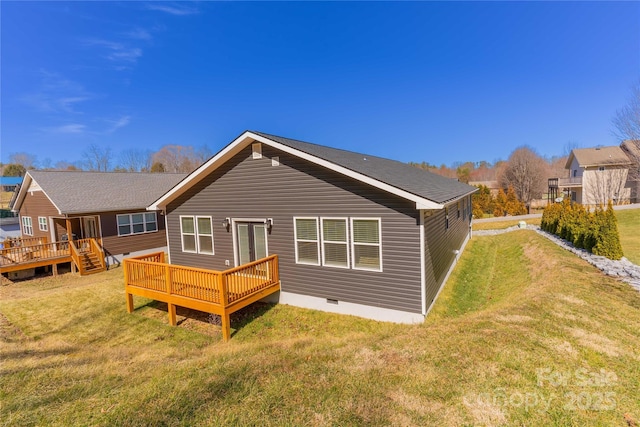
column 629, row 228
column 499, row 225
column 524, row 333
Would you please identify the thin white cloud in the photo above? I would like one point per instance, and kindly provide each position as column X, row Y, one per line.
column 172, row 9
column 73, row 128
column 138, row 34
column 119, row 123
column 117, row 52
column 56, row 94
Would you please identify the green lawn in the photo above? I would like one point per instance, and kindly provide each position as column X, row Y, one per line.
column 629, row 228
column 497, row 225
column 524, row 333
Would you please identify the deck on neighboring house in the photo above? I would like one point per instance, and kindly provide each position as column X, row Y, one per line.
column 27, row 253
column 218, row 292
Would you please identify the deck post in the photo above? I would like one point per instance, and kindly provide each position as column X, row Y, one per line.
column 54, row 269
column 171, row 309
column 224, row 300
column 129, row 303
column 226, row 326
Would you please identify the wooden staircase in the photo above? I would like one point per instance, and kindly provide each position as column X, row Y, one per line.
column 88, row 256
column 90, row 263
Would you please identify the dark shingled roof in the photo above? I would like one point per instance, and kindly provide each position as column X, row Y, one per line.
column 79, row 192
column 400, row 175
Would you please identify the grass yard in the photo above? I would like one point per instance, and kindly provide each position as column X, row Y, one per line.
column 629, row 228
column 524, row 333
column 498, row 225
column 5, row 198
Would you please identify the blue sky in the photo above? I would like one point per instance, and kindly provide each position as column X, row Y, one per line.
column 412, row 81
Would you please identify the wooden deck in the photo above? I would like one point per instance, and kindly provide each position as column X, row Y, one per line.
column 218, row 292
column 25, row 256
column 27, row 253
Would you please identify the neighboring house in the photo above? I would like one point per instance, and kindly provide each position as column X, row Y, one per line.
column 107, row 206
column 493, row 186
column 632, row 150
column 595, row 176
column 354, row 234
column 9, row 183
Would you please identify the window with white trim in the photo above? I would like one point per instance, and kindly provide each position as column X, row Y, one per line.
column 27, row 226
column 137, row 223
column 335, row 248
column 366, row 246
column 197, row 234
column 42, row 223
column 307, row 241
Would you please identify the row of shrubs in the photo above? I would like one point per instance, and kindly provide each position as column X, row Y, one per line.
column 501, row 205
column 596, row 231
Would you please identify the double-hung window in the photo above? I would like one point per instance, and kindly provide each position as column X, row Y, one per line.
column 138, row 223
column 197, row 234
column 366, row 247
column 27, row 226
column 354, row 243
column 335, row 248
column 42, row 223
column 307, row 241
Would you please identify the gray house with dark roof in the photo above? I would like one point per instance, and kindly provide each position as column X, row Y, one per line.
column 107, row 206
column 354, row 234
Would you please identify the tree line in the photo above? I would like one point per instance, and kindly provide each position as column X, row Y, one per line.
column 169, row 158
column 525, row 173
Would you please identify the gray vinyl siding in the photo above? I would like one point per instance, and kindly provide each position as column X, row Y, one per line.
column 442, row 242
column 252, row 188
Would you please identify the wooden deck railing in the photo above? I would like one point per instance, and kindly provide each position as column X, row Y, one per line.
column 15, row 257
column 27, row 253
column 97, row 249
column 24, row 241
column 17, row 254
column 75, row 256
column 219, row 292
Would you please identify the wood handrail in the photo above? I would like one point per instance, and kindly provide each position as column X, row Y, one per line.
column 75, row 256
column 24, row 254
column 97, row 250
column 249, row 264
column 24, row 241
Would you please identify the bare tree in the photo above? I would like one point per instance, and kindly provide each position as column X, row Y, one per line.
column 180, row 158
column 134, row 160
column 526, row 172
column 97, row 158
column 627, row 129
column 627, row 119
column 66, row 166
column 25, row 159
column 601, row 186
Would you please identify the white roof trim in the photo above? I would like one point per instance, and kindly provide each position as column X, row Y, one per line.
column 240, row 142
column 24, row 189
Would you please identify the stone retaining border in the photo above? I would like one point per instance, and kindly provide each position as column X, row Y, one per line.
column 622, row 269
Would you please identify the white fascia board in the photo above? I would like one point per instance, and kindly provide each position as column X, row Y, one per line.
column 24, row 189
column 194, row 177
column 241, row 142
column 26, row 182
